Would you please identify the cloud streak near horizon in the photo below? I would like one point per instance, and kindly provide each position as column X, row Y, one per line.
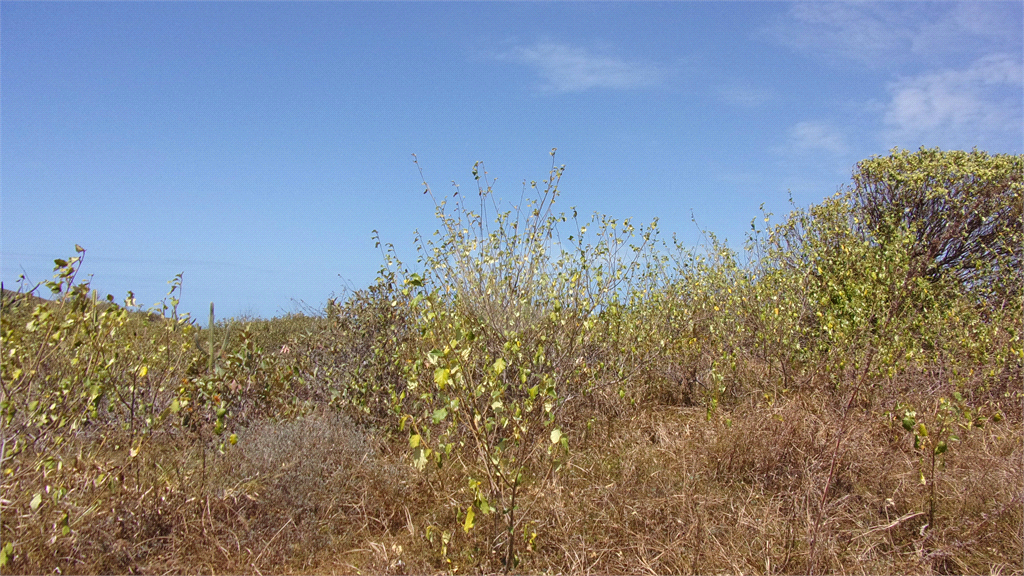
column 564, row 68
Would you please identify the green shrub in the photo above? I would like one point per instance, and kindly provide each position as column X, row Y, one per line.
column 74, row 368
column 963, row 210
column 506, row 310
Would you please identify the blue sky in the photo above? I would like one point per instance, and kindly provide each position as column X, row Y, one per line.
column 255, row 146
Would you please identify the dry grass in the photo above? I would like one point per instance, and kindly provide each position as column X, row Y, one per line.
column 670, row 492
column 662, row 490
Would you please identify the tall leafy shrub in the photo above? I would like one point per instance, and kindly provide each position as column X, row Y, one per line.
column 506, row 305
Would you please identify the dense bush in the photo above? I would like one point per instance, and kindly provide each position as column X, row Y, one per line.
column 963, row 211
column 506, row 315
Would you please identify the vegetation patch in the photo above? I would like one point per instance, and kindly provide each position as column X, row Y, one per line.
column 546, row 392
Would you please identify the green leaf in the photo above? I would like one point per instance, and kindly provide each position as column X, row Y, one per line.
column 175, row 406
column 441, row 377
column 6, row 554
column 414, row 440
column 499, row 366
column 468, row 524
column 439, row 415
column 36, row 501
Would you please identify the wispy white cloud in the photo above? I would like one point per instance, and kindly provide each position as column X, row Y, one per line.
column 839, row 31
column 811, row 136
column 745, row 96
column 566, row 68
column 956, row 68
column 880, row 34
column 968, row 27
column 956, row 106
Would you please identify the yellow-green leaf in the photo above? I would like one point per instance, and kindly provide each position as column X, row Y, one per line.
column 439, row 415
column 6, row 553
column 556, row 435
column 419, row 457
column 468, row 524
column 36, row 501
column 499, row 366
column 441, row 377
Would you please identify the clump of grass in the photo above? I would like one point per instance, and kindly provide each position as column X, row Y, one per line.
column 292, row 493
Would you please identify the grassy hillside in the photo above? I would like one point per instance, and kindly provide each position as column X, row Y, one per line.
column 545, row 393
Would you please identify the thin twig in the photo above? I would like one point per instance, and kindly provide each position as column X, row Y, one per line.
column 269, row 542
column 893, row 524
